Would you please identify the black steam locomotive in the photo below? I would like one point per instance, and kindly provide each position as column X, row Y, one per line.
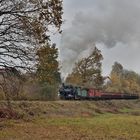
column 68, row 92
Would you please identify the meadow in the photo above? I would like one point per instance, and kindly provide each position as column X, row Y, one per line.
column 85, row 120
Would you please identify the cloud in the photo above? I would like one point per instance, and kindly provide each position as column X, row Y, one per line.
column 108, row 22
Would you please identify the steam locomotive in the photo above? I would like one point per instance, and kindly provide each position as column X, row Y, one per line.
column 69, row 92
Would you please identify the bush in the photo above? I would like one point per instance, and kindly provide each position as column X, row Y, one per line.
column 48, row 92
column 40, row 91
column 9, row 114
column 1, row 95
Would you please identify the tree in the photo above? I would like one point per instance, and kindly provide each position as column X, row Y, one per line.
column 74, row 78
column 116, row 77
column 123, row 80
column 89, row 70
column 10, row 82
column 48, row 66
column 117, row 68
column 24, row 25
column 48, row 70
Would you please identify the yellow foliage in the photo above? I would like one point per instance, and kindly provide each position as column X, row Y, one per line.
column 124, row 81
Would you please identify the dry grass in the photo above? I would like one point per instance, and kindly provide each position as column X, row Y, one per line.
column 73, row 108
column 103, row 127
column 61, row 120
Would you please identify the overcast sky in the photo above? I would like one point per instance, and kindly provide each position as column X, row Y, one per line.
column 113, row 25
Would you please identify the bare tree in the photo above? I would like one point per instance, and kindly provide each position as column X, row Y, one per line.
column 10, row 82
column 24, row 24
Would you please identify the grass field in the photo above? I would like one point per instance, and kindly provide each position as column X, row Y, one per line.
column 93, row 121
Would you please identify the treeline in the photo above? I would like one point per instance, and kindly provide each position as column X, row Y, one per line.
column 40, row 84
column 88, row 72
column 123, row 80
column 29, row 67
column 44, row 82
column 28, row 60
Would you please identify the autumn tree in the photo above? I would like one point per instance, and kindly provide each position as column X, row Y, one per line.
column 48, row 69
column 74, row 78
column 48, row 66
column 117, row 68
column 24, row 25
column 115, row 75
column 88, row 70
column 123, row 80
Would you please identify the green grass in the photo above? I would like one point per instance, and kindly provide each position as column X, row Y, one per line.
column 102, row 127
column 126, row 110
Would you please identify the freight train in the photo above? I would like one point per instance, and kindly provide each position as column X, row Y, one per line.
column 69, row 92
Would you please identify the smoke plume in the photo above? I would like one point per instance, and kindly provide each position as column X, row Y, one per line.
column 108, row 23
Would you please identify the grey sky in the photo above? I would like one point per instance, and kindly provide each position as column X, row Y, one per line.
column 113, row 25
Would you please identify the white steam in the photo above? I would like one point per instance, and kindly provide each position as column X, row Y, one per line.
column 110, row 22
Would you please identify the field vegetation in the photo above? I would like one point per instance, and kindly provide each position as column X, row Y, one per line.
column 76, row 120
